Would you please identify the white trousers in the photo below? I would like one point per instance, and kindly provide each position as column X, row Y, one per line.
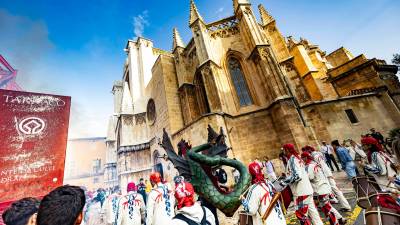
column 342, row 200
column 312, row 211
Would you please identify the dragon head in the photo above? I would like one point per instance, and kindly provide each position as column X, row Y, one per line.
column 199, row 166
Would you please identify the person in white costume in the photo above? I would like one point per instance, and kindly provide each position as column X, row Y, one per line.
column 111, row 208
column 131, row 207
column 190, row 212
column 259, row 198
column 379, row 162
column 322, row 188
column 160, row 202
column 299, row 183
column 319, row 158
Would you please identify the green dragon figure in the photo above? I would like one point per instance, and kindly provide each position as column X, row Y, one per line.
column 199, row 164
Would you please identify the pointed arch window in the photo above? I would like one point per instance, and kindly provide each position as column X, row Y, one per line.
column 201, row 97
column 239, row 82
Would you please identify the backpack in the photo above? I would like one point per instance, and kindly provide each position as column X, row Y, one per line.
column 191, row 222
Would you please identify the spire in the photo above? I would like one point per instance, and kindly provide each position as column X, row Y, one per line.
column 177, row 42
column 127, row 102
column 266, row 18
column 194, row 14
column 111, row 129
column 236, row 3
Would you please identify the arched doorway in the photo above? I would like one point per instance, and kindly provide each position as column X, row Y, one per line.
column 157, row 163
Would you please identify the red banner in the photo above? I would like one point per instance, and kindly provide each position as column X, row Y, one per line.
column 33, row 139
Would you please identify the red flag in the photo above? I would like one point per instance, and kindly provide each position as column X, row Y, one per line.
column 33, row 137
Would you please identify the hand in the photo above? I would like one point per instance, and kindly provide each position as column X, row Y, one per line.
column 391, row 179
column 242, row 197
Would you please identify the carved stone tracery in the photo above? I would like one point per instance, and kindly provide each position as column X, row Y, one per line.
column 224, row 28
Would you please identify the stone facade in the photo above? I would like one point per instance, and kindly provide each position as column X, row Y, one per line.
column 241, row 74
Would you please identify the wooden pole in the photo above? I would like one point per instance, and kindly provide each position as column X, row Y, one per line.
column 274, row 200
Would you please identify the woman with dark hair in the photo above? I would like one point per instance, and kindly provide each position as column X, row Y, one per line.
column 379, row 163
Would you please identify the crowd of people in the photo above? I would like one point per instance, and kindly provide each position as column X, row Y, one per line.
column 308, row 173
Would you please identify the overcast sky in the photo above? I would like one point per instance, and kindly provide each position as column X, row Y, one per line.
column 75, row 47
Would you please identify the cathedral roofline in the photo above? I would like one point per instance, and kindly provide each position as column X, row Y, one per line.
column 375, row 62
column 341, row 48
column 220, row 21
column 137, row 40
column 159, row 58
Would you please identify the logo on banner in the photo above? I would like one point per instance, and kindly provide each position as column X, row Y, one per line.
column 31, row 126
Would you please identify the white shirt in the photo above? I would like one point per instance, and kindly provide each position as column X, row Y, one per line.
column 297, row 177
column 257, row 202
column 131, row 209
column 327, row 149
column 160, row 206
column 318, row 180
column 269, row 167
column 195, row 213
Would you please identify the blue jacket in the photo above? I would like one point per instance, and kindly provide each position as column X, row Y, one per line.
column 344, row 156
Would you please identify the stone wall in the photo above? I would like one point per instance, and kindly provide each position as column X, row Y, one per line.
column 339, row 57
column 364, row 77
column 330, row 121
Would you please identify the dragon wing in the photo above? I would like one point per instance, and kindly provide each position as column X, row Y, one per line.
column 218, row 143
column 212, row 135
column 180, row 163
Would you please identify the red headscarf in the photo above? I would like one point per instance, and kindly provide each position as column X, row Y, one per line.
column 155, row 177
column 376, row 146
column 292, row 151
column 308, row 148
column 184, row 194
column 306, row 156
column 256, row 173
column 131, row 187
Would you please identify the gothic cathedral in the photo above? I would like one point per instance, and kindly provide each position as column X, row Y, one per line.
column 242, row 76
